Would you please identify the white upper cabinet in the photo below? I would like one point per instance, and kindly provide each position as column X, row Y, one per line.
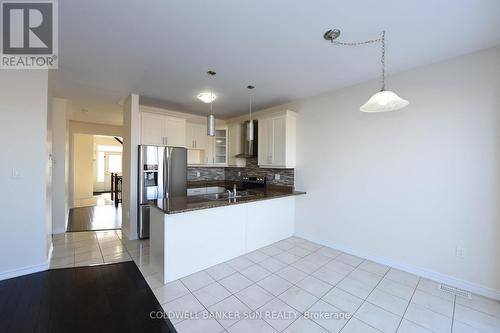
column 175, row 132
column 157, row 129
column 235, row 144
column 152, row 129
column 196, row 136
column 277, row 140
column 209, row 150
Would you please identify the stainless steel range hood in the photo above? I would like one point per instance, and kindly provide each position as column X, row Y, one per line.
column 249, row 149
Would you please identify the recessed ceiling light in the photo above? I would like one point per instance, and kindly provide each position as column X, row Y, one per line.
column 206, row 97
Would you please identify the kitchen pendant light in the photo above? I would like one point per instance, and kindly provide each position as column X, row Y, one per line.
column 384, row 100
column 250, row 122
column 210, row 117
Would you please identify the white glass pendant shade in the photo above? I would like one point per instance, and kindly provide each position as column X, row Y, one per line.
column 384, row 101
column 211, row 125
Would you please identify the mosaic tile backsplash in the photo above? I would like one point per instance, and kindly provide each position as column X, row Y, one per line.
column 287, row 176
column 205, row 174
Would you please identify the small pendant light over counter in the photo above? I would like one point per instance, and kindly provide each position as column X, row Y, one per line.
column 210, row 117
column 384, row 100
column 250, row 134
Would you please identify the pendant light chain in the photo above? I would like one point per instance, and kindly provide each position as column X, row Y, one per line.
column 384, row 100
column 370, row 41
column 382, row 59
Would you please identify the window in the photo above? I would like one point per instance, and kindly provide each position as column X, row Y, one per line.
column 114, row 163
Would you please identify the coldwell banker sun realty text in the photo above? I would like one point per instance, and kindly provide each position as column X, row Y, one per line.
column 29, row 35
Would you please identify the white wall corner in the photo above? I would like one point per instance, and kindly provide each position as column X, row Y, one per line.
column 131, row 141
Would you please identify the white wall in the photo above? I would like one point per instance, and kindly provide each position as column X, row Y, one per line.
column 83, row 166
column 131, row 140
column 23, row 132
column 60, row 207
column 408, row 187
column 96, row 112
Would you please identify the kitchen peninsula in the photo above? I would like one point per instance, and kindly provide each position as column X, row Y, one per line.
column 192, row 233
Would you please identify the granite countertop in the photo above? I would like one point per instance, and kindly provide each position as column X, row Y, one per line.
column 186, row 204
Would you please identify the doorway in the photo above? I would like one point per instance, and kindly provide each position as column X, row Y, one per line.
column 97, row 171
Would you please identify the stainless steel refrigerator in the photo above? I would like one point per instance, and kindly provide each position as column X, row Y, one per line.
column 162, row 174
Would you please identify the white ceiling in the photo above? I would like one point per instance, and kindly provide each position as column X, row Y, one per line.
column 161, row 49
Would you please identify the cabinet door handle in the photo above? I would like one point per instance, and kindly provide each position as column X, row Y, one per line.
column 166, row 139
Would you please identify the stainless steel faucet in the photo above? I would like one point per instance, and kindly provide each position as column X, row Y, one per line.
column 232, row 194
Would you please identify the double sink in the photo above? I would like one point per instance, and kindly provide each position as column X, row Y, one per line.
column 226, row 195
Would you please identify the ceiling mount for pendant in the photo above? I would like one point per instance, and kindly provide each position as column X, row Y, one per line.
column 331, row 34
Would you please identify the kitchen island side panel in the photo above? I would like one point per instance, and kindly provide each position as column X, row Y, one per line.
column 269, row 221
column 196, row 240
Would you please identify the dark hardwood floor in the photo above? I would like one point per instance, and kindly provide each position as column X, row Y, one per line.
column 105, row 298
column 95, row 218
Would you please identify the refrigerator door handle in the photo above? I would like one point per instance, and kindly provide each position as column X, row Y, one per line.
column 165, row 166
column 169, row 172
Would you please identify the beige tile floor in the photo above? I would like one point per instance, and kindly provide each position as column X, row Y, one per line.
column 74, row 249
column 293, row 286
column 96, row 200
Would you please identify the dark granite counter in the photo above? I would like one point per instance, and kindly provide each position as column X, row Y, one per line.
column 186, row 204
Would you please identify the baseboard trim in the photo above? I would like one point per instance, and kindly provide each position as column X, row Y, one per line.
column 429, row 274
column 23, row 271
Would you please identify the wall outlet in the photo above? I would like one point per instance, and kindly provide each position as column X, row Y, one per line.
column 198, row 174
column 277, row 176
column 239, row 173
column 460, row 252
column 16, row 174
